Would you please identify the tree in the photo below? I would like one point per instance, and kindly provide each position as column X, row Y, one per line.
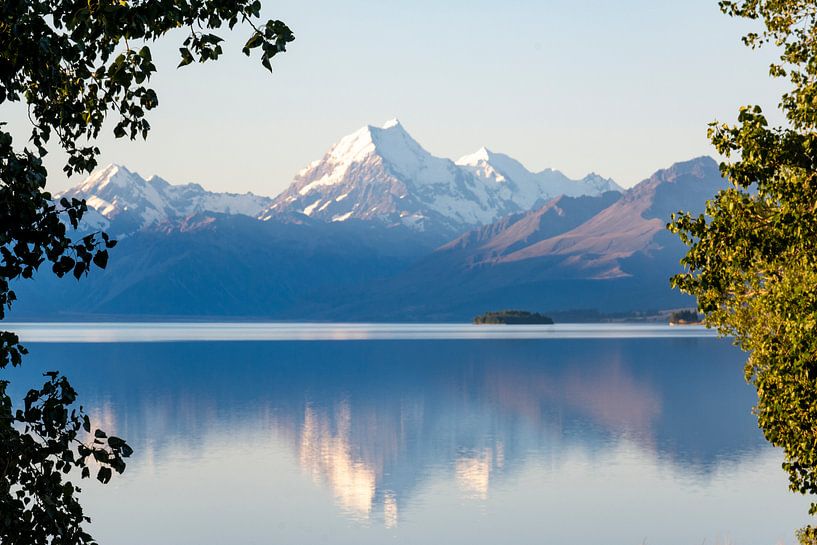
column 74, row 63
column 752, row 258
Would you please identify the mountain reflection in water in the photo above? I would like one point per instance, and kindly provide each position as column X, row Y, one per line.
column 381, row 425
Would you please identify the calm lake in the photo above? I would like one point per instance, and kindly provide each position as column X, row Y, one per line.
column 421, row 434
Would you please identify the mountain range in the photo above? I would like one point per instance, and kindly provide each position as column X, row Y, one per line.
column 380, row 229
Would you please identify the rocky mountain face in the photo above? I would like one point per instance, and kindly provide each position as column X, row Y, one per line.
column 517, row 231
column 383, row 174
column 634, row 224
column 129, row 203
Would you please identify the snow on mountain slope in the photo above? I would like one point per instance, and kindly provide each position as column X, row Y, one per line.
column 130, row 203
column 382, row 173
column 528, row 189
column 93, row 221
column 191, row 199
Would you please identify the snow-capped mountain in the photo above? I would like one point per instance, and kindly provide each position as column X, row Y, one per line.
column 130, row 203
column 528, row 189
column 382, row 173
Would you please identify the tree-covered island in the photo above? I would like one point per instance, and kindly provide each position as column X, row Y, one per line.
column 512, row 317
column 685, row 317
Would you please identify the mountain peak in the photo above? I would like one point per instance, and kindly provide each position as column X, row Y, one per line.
column 112, row 168
column 703, row 163
column 601, row 183
column 391, row 142
column 483, row 154
column 158, row 181
column 698, row 167
column 111, row 174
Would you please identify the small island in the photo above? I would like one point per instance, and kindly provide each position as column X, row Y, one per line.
column 684, row 317
column 512, row 317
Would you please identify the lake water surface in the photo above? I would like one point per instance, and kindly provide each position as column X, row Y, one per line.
column 371, row 434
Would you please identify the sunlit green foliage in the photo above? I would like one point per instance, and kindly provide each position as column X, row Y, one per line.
column 752, row 259
column 75, row 64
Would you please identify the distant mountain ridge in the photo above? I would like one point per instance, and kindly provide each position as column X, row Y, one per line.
column 131, row 203
column 527, row 188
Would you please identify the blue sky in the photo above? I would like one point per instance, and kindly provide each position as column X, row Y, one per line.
column 620, row 88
